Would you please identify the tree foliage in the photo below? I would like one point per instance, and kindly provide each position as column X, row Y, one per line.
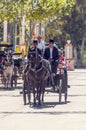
column 45, row 9
column 76, row 23
column 72, row 26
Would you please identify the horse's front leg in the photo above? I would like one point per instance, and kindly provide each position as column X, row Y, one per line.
column 2, row 78
column 39, row 95
column 10, row 81
column 44, row 85
column 43, row 91
column 15, row 82
column 34, row 96
column 5, row 82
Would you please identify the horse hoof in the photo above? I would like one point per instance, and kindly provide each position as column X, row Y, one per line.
column 39, row 104
column 24, row 103
column 34, row 104
column 37, row 98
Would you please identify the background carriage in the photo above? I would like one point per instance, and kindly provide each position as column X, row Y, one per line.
column 18, row 61
column 17, row 70
column 2, row 55
column 7, row 65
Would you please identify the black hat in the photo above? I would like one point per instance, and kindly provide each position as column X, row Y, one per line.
column 51, row 41
column 35, row 42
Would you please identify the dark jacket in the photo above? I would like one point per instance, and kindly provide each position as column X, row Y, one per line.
column 33, row 52
column 55, row 54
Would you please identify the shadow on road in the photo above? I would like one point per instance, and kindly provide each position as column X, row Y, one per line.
column 42, row 112
column 52, row 104
column 77, row 95
column 78, row 85
column 9, row 88
column 47, row 105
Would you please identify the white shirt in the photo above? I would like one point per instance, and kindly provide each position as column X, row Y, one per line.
column 25, row 59
column 51, row 52
column 41, row 45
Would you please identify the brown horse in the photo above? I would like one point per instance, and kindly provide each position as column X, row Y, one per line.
column 38, row 81
column 37, row 74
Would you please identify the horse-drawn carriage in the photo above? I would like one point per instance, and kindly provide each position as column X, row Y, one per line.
column 7, row 64
column 2, row 54
column 38, row 78
column 17, row 58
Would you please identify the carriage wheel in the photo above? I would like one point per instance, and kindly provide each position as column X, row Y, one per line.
column 29, row 97
column 66, row 90
column 24, row 94
column 60, row 89
column 66, row 97
column 65, row 87
column 24, row 97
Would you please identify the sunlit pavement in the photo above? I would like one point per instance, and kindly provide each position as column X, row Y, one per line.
column 52, row 115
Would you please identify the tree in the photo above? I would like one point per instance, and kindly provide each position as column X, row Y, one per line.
column 75, row 26
column 45, row 9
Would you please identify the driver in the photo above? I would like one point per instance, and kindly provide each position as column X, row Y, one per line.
column 33, row 50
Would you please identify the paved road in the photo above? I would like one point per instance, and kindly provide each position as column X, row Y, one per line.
column 51, row 116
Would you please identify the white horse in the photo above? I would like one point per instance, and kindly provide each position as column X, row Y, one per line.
column 8, row 71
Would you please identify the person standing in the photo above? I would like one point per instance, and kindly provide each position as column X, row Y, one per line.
column 41, row 44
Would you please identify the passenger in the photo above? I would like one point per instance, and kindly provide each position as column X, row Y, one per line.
column 51, row 54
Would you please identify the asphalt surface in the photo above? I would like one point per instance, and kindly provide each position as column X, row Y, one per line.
column 51, row 115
